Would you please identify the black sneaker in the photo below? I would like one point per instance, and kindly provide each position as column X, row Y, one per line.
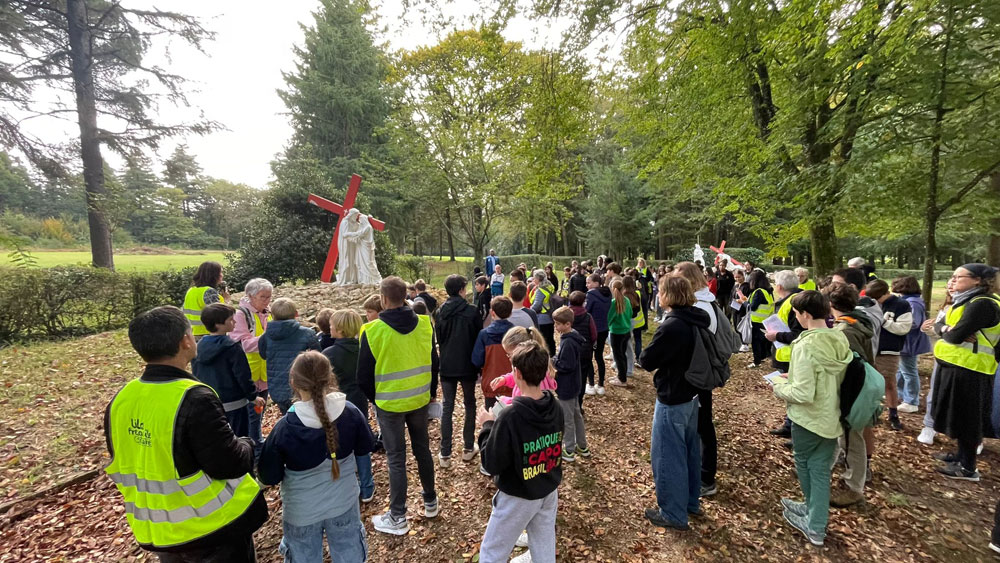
column 655, row 518
column 782, row 431
column 708, row 490
column 956, row 471
column 947, row 457
column 895, row 424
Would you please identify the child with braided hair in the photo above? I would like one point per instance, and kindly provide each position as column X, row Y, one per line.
column 311, row 452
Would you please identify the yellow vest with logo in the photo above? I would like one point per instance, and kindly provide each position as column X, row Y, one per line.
column 402, row 365
column 976, row 356
column 163, row 508
column 763, row 311
column 194, row 302
column 785, row 314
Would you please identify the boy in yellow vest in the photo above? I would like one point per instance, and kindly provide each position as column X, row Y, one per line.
column 397, row 371
column 185, row 477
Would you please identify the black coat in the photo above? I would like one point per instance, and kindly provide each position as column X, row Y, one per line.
column 457, row 328
column 343, row 356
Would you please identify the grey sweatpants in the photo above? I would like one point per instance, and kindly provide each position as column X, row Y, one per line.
column 510, row 516
column 574, row 434
column 857, row 460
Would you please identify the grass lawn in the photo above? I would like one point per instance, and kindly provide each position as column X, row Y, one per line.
column 133, row 262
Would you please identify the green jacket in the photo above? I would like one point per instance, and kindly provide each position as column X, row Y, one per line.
column 815, row 372
column 620, row 324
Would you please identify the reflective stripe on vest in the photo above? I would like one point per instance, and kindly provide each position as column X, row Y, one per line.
column 639, row 321
column 258, row 366
column 546, row 306
column 194, row 302
column 784, row 313
column 763, row 311
column 164, row 509
column 978, row 356
column 402, row 365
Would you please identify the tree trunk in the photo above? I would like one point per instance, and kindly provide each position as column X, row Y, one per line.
column 933, row 211
column 823, row 240
column 565, row 240
column 931, row 252
column 80, row 43
column 993, row 247
column 451, row 237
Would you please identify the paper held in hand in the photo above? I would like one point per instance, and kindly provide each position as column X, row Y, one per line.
column 771, row 377
column 775, row 323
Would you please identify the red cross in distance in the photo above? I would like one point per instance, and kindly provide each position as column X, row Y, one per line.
column 341, row 211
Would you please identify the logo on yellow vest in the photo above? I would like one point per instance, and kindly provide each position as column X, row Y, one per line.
column 139, row 433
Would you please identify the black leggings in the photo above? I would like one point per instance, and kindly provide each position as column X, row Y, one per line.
column 619, row 345
column 709, row 441
column 602, row 338
column 759, row 343
column 637, row 335
column 549, row 334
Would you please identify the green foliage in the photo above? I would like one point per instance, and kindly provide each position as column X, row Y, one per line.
column 75, row 300
column 412, row 268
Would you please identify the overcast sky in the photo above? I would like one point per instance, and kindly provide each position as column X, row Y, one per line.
column 234, row 82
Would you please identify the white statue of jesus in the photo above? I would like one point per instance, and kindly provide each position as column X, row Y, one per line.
column 356, row 247
column 699, row 255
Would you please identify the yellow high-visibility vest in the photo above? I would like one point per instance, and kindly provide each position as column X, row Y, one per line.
column 194, row 302
column 164, row 508
column 402, row 364
column 978, row 356
column 763, row 311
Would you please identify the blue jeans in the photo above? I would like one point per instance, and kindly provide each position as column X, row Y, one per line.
column 908, row 380
column 676, row 458
column 365, row 479
column 345, row 535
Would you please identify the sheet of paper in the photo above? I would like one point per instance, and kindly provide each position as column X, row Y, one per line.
column 735, row 305
column 775, row 323
column 772, row 376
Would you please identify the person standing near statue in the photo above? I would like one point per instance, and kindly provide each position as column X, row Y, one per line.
column 397, row 370
column 184, row 476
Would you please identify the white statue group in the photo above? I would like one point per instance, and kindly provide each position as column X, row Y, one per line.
column 356, row 250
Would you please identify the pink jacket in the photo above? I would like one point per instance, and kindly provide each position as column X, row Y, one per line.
column 548, row 384
column 244, row 334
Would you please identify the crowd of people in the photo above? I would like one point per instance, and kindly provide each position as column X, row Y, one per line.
column 189, row 456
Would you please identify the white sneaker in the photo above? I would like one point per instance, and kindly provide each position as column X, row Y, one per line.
column 599, row 390
column 926, row 436
column 523, row 558
column 431, row 509
column 979, row 450
column 589, row 390
column 387, row 524
column 444, row 461
column 744, row 348
column 907, row 408
column 522, row 540
column 483, row 470
column 469, row 455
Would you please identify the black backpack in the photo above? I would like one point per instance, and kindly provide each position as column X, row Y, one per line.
column 709, row 366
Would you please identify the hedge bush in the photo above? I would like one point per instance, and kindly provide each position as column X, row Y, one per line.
column 76, row 300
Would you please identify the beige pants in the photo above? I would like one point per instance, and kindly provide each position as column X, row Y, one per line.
column 857, row 460
column 887, row 365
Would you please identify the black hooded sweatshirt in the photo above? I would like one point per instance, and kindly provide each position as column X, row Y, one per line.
column 458, row 326
column 522, row 448
column 403, row 320
column 669, row 354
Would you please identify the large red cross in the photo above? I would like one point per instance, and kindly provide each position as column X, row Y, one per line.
column 341, row 211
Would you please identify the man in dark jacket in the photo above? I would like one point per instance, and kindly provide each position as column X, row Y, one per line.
column 167, row 396
column 427, row 298
column 482, row 300
column 222, row 365
column 726, row 282
column 457, row 329
column 578, row 281
column 567, row 366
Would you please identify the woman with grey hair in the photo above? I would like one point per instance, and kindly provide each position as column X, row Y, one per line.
column 251, row 322
column 541, row 304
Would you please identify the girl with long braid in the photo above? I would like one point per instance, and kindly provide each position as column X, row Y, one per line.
column 311, row 453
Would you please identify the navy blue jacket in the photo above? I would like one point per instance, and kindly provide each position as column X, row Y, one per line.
column 298, row 447
column 598, row 304
column 280, row 344
column 567, row 365
column 222, row 365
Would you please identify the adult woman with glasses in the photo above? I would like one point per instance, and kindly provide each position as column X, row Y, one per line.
column 966, row 366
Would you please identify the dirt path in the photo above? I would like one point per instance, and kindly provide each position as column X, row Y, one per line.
column 911, row 514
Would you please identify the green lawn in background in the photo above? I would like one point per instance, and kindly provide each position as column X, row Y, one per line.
column 130, row 262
